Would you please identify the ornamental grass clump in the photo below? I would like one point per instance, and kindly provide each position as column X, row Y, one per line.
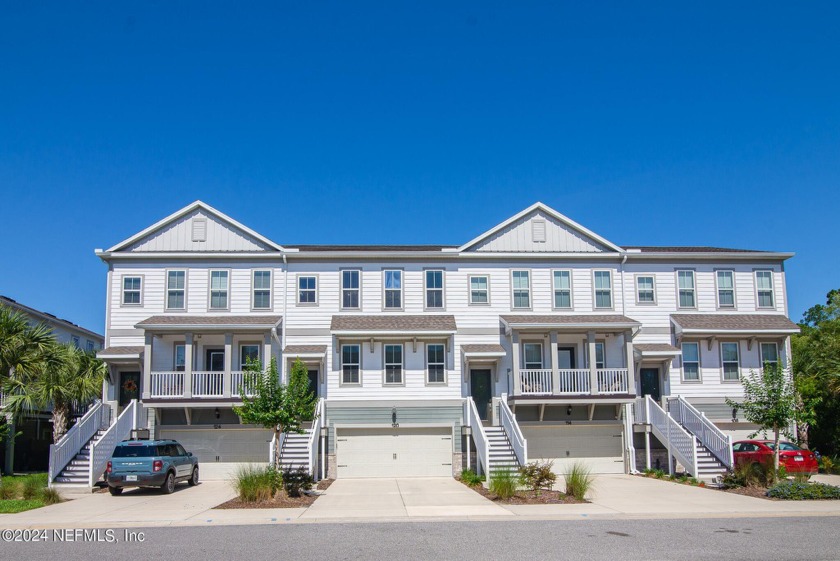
column 256, row 484
column 579, row 480
column 471, row 478
column 503, row 484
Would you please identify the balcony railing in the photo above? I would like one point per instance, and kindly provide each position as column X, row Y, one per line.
column 613, row 380
column 243, row 383
column 573, row 381
column 167, row 384
column 535, row 382
column 204, row 384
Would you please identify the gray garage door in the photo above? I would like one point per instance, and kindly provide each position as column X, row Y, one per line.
column 597, row 446
column 222, row 445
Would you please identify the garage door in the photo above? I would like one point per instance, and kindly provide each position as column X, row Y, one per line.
column 229, row 445
column 598, row 446
column 389, row 452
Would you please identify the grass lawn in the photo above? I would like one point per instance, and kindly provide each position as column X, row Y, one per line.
column 19, row 505
column 25, row 492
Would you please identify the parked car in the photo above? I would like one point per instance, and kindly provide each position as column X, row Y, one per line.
column 792, row 457
column 150, row 463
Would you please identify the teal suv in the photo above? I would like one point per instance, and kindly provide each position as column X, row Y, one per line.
column 150, row 463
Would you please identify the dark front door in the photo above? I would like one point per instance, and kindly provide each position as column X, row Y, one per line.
column 481, row 392
column 566, row 357
column 313, row 381
column 215, row 360
column 650, row 383
column 129, row 387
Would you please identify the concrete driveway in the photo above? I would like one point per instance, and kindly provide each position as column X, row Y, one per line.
column 401, row 498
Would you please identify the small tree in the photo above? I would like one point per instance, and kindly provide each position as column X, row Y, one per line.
column 770, row 403
column 274, row 405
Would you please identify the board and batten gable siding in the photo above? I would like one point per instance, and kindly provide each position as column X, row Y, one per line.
column 520, row 237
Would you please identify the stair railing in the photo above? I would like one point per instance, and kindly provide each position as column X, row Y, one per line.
column 314, row 436
column 681, row 444
column 482, row 446
column 513, row 432
column 715, row 440
column 101, row 450
column 63, row 451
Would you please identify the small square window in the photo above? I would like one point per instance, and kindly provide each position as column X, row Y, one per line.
column 479, row 290
column 645, row 290
column 132, row 290
column 307, row 290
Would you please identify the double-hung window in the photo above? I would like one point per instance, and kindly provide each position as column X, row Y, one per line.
column 393, row 364
column 479, row 289
column 603, row 289
column 176, row 287
column 562, row 289
column 685, row 288
column 131, row 291
column 533, row 356
column 435, row 364
column 350, row 363
column 350, row 289
column 764, row 289
column 730, row 362
column 434, row 289
column 691, row 362
column 261, row 283
column 219, row 290
column 89, row 346
column 248, row 353
column 393, row 288
column 307, row 290
column 726, row 289
column 521, row 289
column 76, row 342
column 645, row 290
column 180, row 362
column 769, row 354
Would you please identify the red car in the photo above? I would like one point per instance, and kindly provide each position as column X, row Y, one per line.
column 791, row 456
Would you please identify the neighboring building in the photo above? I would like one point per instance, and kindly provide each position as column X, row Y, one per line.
column 30, row 450
column 549, row 329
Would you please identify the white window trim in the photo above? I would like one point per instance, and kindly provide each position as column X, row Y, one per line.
column 734, row 305
column 341, row 364
column 761, row 352
column 385, row 381
column 603, row 344
column 210, row 289
column 542, row 355
column 445, row 370
column 341, row 289
column 554, row 289
column 270, row 290
column 256, row 344
column 595, row 305
column 298, row 289
column 402, row 290
column 530, row 290
column 469, row 290
column 442, row 289
column 772, row 288
column 653, row 287
column 694, row 287
column 166, row 288
column 122, row 290
column 683, row 379
column 722, row 369
column 175, row 356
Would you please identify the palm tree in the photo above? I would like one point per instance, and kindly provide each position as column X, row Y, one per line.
column 21, row 344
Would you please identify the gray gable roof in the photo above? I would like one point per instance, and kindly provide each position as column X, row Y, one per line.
column 734, row 322
column 398, row 323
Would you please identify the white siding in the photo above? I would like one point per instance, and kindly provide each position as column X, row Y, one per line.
column 178, row 236
column 559, row 238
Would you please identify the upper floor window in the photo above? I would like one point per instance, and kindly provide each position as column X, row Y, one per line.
column 132, row 290
column 393, row 364
column 730, row 360
column 180, row 358
column 769, row 354
column 248, row 353
column 521, row 289
column 261, row 285
column 691, row 361
column 393, row 288
column 764, row 289
column 89, row 345
column 479, row 289
column 435, row 364
column 176, row 288
column 76, row 342
column 726, row 289
column 434, row 289
column 562, row 289
column 645, row 290
column 533, row 356
column 219, row 290
column 350, row 289
column 350, row 363
column 603, row 289
column 307, row 290
column 685, row 287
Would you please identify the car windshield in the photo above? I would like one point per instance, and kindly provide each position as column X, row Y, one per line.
column 783, row 446
column 135, row 451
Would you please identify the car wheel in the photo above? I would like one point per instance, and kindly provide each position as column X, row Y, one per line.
column 115, row 490
column 168, row 486
column 194, row 479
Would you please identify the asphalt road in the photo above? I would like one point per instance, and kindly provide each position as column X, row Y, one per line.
column 742, row 539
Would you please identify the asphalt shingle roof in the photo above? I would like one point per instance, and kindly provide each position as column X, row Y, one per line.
column 393, row 323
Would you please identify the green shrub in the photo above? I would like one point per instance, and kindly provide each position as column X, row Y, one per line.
column 471, row 478
column 50, row 496
column 296, row 481
column 538, row 475
column 254, row 483
column 579, row 480
column 8, row 490
column 658, row 473
column 800, row 491
column 503, row 484
column 32, row 488
column 757, row 474
column 827, row 464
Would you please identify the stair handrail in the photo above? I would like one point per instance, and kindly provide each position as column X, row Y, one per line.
column 681, row 444
column 630, row 449
column 69, row 445
column 314, row 435
column 514, row 433
column 479, row 436
column 103, row 447
column 715, row 440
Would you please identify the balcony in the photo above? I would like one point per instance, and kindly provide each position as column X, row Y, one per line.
column 573, row 382
column 203, row 384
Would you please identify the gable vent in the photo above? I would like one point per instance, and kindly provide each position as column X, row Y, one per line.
column 538, row 230
column 199, row 229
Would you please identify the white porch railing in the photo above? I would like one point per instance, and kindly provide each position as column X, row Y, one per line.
column 514, row 433
column 681, row 445
column 535, row 382
column 167, row 384
column 314, row 436
column 574, row 381
column 482, row 446
column 208, row 384
column 613, row 380
column 717, row 442
column 63, row 451
column 101, row 450
column 243, row 383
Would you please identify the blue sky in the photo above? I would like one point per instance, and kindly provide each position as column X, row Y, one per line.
column 348, row 122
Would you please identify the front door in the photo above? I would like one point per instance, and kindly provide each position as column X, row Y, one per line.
column 313, row 381
column 566, row 358
column 650, row 383
column 129, row 387
column 481, row 392
column 215, row 360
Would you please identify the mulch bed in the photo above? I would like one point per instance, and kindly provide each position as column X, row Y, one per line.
column 528, row 497
column 281, row 500
column 757, row 492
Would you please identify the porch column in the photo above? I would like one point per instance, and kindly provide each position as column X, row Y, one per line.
column 514, row 344
column 555, row 367
column 228, row 362
column 593, row 362
column 629, row 360
column 147, row 366
column 188, row 364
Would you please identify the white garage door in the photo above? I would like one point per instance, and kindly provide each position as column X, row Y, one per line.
column 227, row 445
column 597, row 446
column 389, row 452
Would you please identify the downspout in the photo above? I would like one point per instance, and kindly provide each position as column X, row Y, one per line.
column 285, row 319
column 623, row 288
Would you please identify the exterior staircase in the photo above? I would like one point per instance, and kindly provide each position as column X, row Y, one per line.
column 77, row 472
column 294, row 450
column 708, row 466
column 502, row 456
